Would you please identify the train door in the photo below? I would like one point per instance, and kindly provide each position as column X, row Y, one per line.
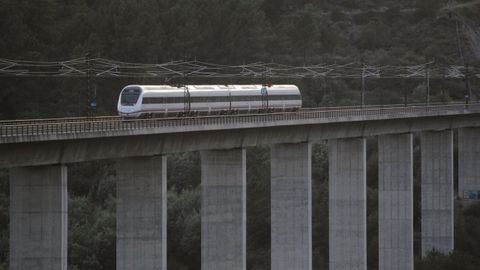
column 186, row 100
column 264, row 93
column 229, row 99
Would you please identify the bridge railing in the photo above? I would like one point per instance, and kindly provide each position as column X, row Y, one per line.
column 114, row 117
column 110, row 124
column 57, row 120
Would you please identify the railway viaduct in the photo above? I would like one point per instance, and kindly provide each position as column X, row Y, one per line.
column 36, row 152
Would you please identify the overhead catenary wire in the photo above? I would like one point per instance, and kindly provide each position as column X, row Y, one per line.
column 107, row 68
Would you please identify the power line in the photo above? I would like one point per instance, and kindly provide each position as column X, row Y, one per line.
column 105, row 68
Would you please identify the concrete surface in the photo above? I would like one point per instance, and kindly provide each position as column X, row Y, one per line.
column 142, row 213
column 347, row 204
column 437, row 191
column 224, row 210
column 78, row 149
column 147, row 127
column 468, row 161
column 291, row 207
column 395, row 202
column 38, row 218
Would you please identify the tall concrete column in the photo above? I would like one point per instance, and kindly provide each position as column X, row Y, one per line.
column 395, row 202
column 142, row 213
column 468, row 162
column 224, row 210
column 437, row 191
column 291, row 207
column 347, row 204
column 38, row 218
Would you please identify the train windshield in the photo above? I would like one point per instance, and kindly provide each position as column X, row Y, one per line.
column 130, row 96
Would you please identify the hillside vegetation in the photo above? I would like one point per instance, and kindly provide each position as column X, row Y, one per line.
column 235, row 32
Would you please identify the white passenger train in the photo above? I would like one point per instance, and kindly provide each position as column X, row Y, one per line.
column 166, row 100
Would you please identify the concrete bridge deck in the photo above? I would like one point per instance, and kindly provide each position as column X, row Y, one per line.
column 98, row 127
column 43, row 142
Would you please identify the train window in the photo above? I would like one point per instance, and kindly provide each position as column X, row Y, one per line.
column 178, row 100
column 174, row 100
column 284, row 97
column 162, row 100
column 210, row 99
column 245, row 98
column 196, row 99
column 199, row 99
column 240, row 98
column 153, row 100
column 130, row 96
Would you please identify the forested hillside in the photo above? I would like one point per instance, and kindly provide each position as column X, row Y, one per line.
column 234, row 32
column 295, row 32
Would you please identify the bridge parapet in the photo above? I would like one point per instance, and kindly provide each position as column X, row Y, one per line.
column 83, row 128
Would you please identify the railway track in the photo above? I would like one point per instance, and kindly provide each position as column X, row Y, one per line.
column 118, row 118
column 39, row 127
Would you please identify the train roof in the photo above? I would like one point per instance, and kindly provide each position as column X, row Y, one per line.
column 217, row 87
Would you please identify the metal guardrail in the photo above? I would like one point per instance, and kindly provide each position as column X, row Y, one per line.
column 386, row 106
column 111, row 124
column 57, row 120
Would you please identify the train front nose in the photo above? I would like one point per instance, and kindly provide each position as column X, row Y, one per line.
column 129, row 101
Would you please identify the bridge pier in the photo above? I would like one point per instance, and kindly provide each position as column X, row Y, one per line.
column 347, row 204
column 38, row 218
column 291, row 207
column 223, row 214
column 142, row 213
column 395, row 202
column 437, row 191
column 468, row 162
